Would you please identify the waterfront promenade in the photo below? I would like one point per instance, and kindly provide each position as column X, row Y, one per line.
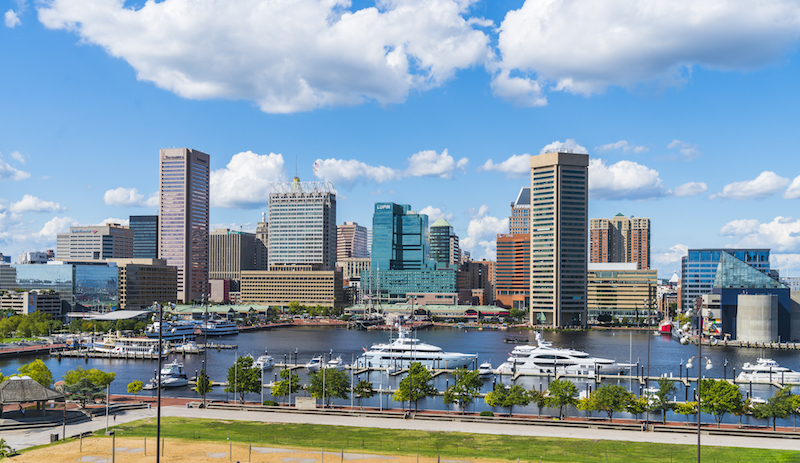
column 21, row 439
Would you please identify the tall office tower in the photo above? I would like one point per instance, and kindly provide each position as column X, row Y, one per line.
column 369, row 242
column 513, row 271
column 559, row 223
column 183, row 218
column 520, row 219
column 444, row 243
column 262, row 243
column 620, row 240
column 302, row 225
column 699, row 269
column 95, row 242
column 145, row 236
column 230, row 252
column 351, row 241
column 401, row 262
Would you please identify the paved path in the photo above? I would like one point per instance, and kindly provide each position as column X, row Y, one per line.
column 23, row 439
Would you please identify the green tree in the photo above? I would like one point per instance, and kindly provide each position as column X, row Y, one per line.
column 666, row 388
column 328, row 383
column 539, row 398
column 465, row 388
column 686, row 408
column 98, row 377
column 135, row 387
column 243, row 377
column 38, row 372
column 288, row 385
column 637, row 405
column 203, row 383
column 516, row 395
column 795, row 406
column 609, row 399
column 719, row 397
column 363, row 390
column 561, row 393
column 416, row 385
column 84, row 390
column 778, row 406
column 496, row 397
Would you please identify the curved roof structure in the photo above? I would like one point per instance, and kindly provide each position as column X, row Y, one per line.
column 20, row 389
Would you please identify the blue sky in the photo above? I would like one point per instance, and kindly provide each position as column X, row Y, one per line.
column 688, row 110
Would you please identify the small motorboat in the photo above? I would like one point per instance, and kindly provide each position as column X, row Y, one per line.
column 485, row 369
column 315, row 364
column 264, row 362
column 335, row 364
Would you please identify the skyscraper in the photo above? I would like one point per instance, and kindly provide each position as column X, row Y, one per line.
column 351, row 241
column 620, row 240
column 302, row 225
column 95, row 242
column 520, row 219
column 513, row 273
column 183, row 199
column 444, row 243
column 559, row 223
column 145, row 236
column 230, row 252
column 262, row 243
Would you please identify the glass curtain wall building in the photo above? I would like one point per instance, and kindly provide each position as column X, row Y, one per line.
column 444, row 243
column 145, row 236
column 401, row 262
column 92, row 286
column 699, row 269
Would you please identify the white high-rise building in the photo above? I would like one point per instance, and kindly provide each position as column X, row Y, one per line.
column 95, row 242
column 183, row 218
column 302, row 225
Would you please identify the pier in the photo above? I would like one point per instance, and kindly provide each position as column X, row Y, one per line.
column 88, row 353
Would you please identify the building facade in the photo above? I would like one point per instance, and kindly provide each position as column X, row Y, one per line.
column 262, row 244
column 144, row 281
column 83, row 284
column 303, row 285
column 620, row 239
column 513, row 271
column 302, row 225
column 27, row 302
column 621, row 291
column 699, row 269
column 95, row 242
column 231, row 252
column 520, row 219
column 145, row 236
column 183, row 218
column 559, row 224
column 351, row 241
column 444, row 243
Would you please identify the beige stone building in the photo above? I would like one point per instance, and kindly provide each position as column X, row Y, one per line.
column 144, row 281
column 622, row 291
column 280, row 287
column 27, row 302
column 95, row 242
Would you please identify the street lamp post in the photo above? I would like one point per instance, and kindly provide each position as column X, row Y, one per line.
column 204, row 327
column 158, row 381
column 689, row 365
column 725, row 370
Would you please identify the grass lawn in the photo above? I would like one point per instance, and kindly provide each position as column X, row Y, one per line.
column 449, row 445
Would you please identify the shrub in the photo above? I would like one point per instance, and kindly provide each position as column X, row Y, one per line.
column 487, row 413
column 270, row 403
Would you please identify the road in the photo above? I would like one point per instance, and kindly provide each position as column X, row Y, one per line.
column 23, row 439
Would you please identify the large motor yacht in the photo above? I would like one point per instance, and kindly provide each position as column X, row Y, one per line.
column 404, row 350
column 543, row 358
column 767, row 370
column 172, row 331
column 218, row 328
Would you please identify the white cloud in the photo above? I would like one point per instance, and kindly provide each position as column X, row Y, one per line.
column 793, row 192
column 342, row 172
column 482, row 233
column 521, row 91
column 765, row 185
column 625, row 43
column 128, row 197
column 687, row 150
column 124, row 222
column 690, row 189
column 56, row 225
column 567, row 146
column 30, row 203
column 244, row 182
column 782, row 234
column 669, row 260
column 788, row 264
column 19, row 157
column 12, row 19
column 10, row 173
column 623, row 180
column 249, row 227
column 515, row 166
column 287, row 56
column 430, row 164
column 434, row 214
column 622, row 145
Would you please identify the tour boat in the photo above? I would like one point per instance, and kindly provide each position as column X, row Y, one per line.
column 171, row 331
column 405, row 350
column 218, row 328
column 543, row 358
column 767, row 370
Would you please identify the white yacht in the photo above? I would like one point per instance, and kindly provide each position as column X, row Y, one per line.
column 406, row 350
column 485, row 369
column 218, row 328
column 315, row 363
column 543, row 358
column 188, row 347
column 172, row 375
column 767, row 370
column 172, row 331
column 335, row 364
column 264, row 362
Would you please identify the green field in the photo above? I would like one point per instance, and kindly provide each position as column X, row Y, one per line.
column 448, row 445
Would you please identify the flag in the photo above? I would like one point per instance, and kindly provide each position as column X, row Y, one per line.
column 316, row 166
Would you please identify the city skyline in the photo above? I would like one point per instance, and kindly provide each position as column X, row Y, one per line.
column 697, row 136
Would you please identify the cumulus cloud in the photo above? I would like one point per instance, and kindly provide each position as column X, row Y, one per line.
column 623, row 146
column 129, row 197
column 482, row 232
column 30, row 203
column 690, row 189
column 109, row 220
column 670, row 258
column 788, row 264
column 765, row 185
column 56, row 225
column 244, row 182
column 430, row 164
column 7, row 172
column 434, row 214
column 793, row 192
column 624, row 43
column 567, row 146
column 623, row 180
column 515, row 166
column 348, row 171
column 287, row 56
column 19, row 157
column 781, row 234
column 687, row 150
column 12, row 19
column 522, row 91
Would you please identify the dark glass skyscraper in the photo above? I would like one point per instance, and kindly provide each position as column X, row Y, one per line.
column 145, row 236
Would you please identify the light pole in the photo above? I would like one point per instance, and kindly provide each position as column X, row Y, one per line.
column 725, row 370
column 689, row 364
column 158, row 381
column 204, row 328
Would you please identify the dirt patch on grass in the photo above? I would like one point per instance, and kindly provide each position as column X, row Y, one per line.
column 130, row 450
